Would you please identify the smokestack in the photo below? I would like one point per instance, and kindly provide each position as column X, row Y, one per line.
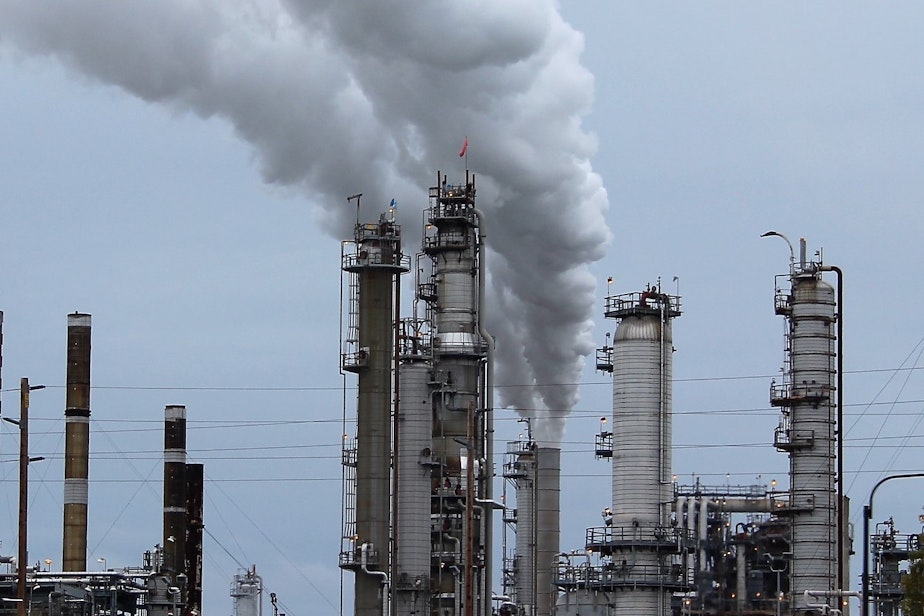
column 548, row 506
column 195, row 491
column 76, row 442
column 538, row 531
column 175, row 490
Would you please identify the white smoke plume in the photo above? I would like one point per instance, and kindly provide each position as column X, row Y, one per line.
column 343, row 96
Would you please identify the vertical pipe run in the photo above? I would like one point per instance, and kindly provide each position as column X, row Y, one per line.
column 175, row 490
column 76, row 442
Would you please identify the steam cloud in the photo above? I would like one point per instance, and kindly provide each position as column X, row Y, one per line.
column 347, row 95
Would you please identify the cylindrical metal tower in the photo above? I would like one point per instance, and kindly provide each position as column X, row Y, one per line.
column 247, row 593
column 174, row 491
column 548, row 507
column 638, row 548
column 523, row 472
column 373, row 268
column 413, row 468
column 76, row 442
column 642, row 487
column 807, row 431
column 451, row 240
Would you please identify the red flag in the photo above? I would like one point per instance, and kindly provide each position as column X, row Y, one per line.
column 464, row 148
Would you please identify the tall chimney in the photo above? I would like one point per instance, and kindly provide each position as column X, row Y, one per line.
column 175, row 490
column 195, row 491
column 76, row 442
column 547, row 508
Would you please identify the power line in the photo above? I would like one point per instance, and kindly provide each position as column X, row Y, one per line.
column 285, row 388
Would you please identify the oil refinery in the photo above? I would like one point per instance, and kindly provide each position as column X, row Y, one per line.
column 423, row 532
column 423, row 422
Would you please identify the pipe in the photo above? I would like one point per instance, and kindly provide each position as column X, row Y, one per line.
column 841, row 574
column 489, row 407
column 396, row 401
column 703, row 521
column 363, row 559
column 825, row 608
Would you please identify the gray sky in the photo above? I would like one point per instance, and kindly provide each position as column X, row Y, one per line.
column 181, row 174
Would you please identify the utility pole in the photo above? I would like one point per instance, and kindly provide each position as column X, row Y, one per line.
column 23, row 492
column 23, row 555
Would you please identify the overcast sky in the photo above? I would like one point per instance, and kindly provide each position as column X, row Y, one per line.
column 180, row 173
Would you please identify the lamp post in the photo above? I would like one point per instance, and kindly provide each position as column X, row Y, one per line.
column 777, row 570
column 867, row 516
column 23, row 423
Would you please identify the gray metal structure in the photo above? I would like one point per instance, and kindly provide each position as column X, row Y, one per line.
column 535, row 472
column 807, row 431
column 633, row 563
column 247, row 593
column 460, row 446
column 373, row 266
column 889, row 549
column 414, row 463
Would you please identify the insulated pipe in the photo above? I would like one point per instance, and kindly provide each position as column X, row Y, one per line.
column 76, row 443
column 364, row 561
column 842, row 576
column 488, row 410
column 744, row 505
column 703, row 521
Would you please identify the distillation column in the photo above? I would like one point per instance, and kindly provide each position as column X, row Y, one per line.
column 638, row 535
column 452, row 241
column 413, row 468
column 76, row 442
column 374, row 268
column 807, row 430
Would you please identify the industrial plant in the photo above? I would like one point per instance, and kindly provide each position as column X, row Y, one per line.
column 418, row 470
column 423, row 532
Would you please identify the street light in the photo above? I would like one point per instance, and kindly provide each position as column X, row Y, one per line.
column 102, row 561
column 777, row 570
column 24, row 460
column 867, row 516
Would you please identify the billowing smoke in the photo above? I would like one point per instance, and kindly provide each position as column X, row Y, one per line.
column 343, row 96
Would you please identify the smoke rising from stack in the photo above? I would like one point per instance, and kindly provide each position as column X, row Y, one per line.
column 331, row 93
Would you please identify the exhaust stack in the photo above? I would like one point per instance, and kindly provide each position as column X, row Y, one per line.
column 175, row 491
column 77, row 442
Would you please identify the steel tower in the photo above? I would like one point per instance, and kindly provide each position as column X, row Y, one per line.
column 461, row 475
column 374, row 262
column 638, row 550
column 808, row 431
